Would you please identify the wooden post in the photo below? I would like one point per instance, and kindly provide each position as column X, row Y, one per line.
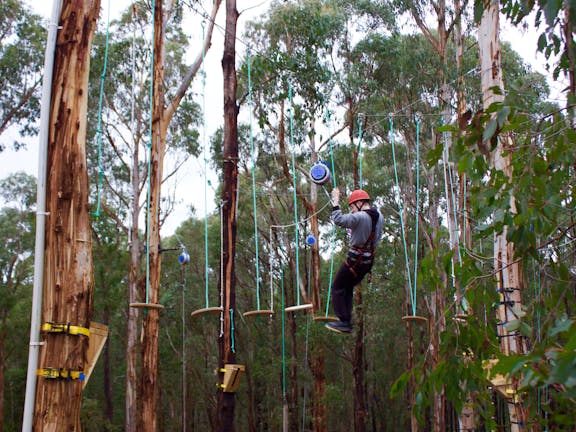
column 68, row 271
column 149, row 374
column 508, row 270
column 227, row 354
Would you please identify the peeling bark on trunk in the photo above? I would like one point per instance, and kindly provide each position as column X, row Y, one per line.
column 109, row 406
column 569, row 30
column 131, row 407
column 467, row 417
column 317, row 367
column 134, row 296
column 509, row 283
column 359, row 366
column 411, row 381
column 227, row 355
column 149, row 375
column 68, row 272
column 437, row 321
column 293, row 406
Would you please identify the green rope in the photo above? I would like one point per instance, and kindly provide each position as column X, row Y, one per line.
column 296, row 229
column 270, row 265
column 99, row 127
column 453, row 219
column 148, row 198
column 206, row 284
column 333, row 233
column 360, row 150
column 283, row 336
column 415, row 281
column 330, row 278
column 449, row 179
column 330, row 146
column 253, row 171
column 401, row 211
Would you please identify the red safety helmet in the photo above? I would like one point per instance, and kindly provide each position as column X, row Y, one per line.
column 358, row 195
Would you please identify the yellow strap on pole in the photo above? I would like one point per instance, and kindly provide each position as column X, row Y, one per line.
column 65, row 328
column 62, row 374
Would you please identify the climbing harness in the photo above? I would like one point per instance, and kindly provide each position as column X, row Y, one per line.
column 365, row 254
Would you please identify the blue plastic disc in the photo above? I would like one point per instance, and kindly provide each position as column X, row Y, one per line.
column 184, row 258
column 310, row 239
column 319, row 173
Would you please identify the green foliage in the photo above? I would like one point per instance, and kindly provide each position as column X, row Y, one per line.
column 558, row 20
column 540, row 187
column 121, row 147
column 294, row 47
column 22, row 37
column 16, row 271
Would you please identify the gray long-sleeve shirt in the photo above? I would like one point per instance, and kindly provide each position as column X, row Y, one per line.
column 360, row 224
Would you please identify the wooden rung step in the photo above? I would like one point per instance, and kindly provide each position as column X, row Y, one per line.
column 208, row 310
column 296, row 308
column 259, row 312
column 326, row 318
column 146, row 305
column 414, row 319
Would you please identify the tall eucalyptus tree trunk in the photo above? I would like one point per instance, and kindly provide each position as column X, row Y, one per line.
column 227, row 354
column 507, row 268
column 569, row 29
column 151, row 328
column 68, row 267
column 467, row 417
column 162, row 118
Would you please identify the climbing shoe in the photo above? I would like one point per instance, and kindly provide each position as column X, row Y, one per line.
column 339, row 326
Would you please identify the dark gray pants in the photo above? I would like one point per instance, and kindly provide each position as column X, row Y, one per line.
column 347, row 277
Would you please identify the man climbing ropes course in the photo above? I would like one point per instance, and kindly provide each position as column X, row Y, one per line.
column 365, row 224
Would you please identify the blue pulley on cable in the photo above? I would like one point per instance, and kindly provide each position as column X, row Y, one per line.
column 310, row 239
column 320, row 173
column 184, row 258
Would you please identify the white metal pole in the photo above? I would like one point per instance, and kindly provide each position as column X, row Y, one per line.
column 36, row 315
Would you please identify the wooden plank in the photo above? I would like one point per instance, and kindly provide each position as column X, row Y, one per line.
column 259, row 312
column 414, row 318
column 98, row 337
column 296, row 308
column 232, row 375
column 208, row 310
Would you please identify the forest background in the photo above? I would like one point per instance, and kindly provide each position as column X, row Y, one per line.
column 360, row 86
